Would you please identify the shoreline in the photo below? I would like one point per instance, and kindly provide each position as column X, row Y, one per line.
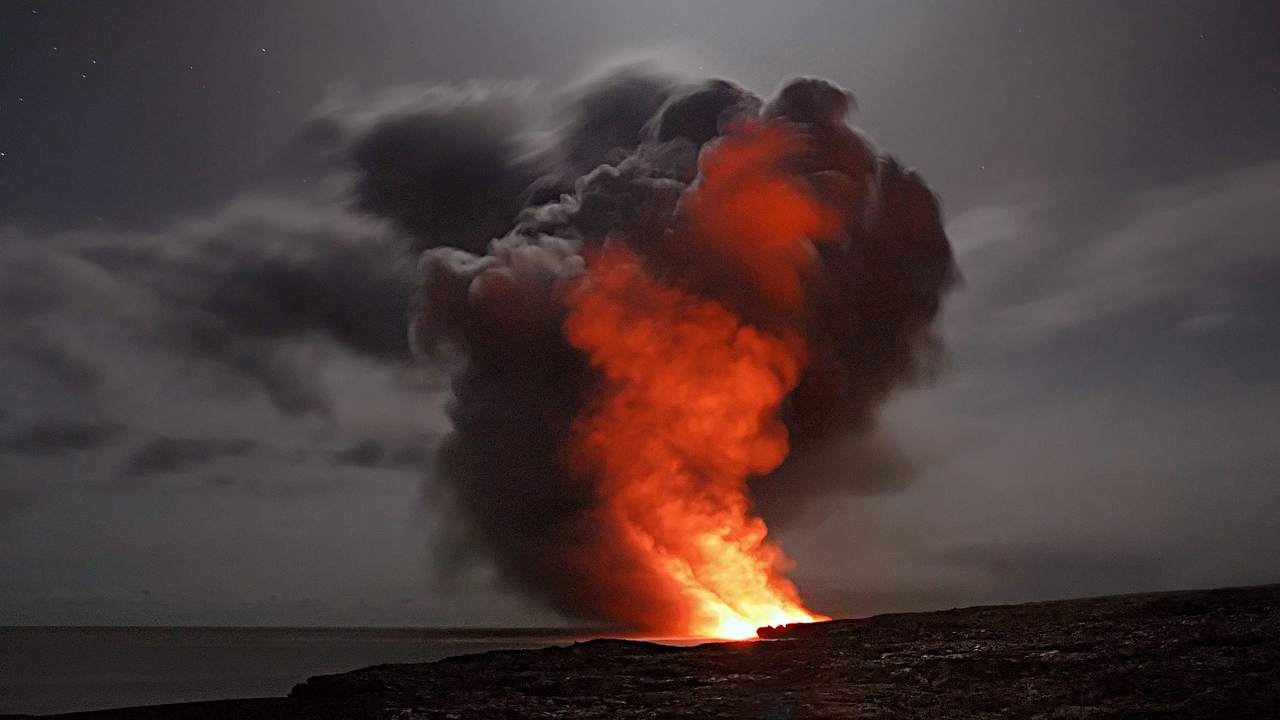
column 1198, row 653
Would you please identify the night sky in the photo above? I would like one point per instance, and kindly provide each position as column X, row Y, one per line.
column 192, row 432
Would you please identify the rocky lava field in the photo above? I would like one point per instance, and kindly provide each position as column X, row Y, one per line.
column 1197, row 654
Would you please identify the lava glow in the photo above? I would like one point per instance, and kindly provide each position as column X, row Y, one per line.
column 688, row 404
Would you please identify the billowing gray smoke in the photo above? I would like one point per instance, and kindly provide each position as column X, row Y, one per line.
column 508, row 224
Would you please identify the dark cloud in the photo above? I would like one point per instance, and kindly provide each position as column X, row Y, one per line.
column 256, row 484
column 365, row 454
column 55, row 437
column 167, row 454
column 701, row 111
column 605, row 116
column 356, row 295
column 878, row 288
column 416, row 454
column 246, row 289
column 267, row 269
column 447, row 165
column 372, row 453
column 60, row 357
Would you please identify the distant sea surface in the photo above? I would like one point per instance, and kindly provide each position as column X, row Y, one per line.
column 65, row 669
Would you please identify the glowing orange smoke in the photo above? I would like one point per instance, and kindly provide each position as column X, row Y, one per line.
column 688, row 405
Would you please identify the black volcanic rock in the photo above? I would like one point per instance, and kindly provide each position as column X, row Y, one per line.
column 1201, row 654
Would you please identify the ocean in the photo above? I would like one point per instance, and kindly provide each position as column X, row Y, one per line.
column 65, row 669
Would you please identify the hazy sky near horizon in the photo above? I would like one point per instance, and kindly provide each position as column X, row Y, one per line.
column 1107, row 419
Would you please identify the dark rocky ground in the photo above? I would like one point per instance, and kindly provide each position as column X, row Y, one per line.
column 1200, row 654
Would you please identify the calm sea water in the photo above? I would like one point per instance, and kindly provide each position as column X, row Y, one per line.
column 64, row 669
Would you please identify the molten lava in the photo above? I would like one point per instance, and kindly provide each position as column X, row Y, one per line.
column 687, row 408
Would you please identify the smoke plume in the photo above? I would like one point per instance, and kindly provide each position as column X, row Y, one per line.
column 695, row 292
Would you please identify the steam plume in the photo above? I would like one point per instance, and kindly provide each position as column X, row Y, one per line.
column 699, row 282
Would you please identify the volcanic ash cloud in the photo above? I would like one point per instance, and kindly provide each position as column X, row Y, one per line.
column 695, row 284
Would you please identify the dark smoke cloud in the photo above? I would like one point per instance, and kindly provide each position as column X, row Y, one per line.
column 270, row 278
column 371, row 453
column 167, row 454
column 698, row 112
column 67, row 360
column 623, row 160
column 605, row 117
column 366, row 454
column 245, row 289
column 53, row 437
column 449, row 165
